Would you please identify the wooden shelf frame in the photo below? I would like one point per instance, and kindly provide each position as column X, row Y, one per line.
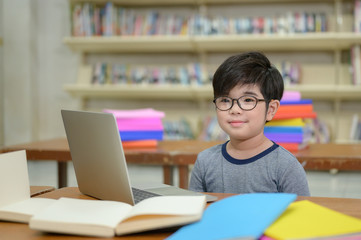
column 169, row 92
column 191, row 2
column 130, row 44
column 330, row 41
column 182, row 92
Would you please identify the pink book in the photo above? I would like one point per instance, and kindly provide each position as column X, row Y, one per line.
column 136, row 113
column 291, row 96
column 131, row 124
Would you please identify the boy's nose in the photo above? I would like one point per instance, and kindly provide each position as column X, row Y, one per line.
column 235, row 107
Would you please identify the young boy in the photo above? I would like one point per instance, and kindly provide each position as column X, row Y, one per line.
column 247, row 93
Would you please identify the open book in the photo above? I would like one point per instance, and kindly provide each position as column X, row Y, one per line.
column 110, row 218
column 15, row 202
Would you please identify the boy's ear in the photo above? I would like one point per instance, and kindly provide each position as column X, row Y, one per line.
column 272, row 109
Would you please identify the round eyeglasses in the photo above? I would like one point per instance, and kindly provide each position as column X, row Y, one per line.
column 246, row 103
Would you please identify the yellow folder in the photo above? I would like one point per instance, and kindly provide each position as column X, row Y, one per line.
column 305, row 219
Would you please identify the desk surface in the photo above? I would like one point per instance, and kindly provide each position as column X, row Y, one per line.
column 38, row 190
column 349, row 206
column 23, row 232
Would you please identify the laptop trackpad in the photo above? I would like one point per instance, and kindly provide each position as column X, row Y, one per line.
column 174, row 191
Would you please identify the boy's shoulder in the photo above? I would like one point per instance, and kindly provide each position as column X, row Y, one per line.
column 283, row 158
column 216, row 149
column 285, row 152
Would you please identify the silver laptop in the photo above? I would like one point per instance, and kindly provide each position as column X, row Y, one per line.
column 99, row 162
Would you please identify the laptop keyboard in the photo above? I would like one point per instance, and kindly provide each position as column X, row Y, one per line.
column 140, row 195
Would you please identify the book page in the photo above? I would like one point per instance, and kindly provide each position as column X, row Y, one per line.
column 162, row 212
column 23, row 210
column 170, row 205
column 14, row 178
column 80, row 216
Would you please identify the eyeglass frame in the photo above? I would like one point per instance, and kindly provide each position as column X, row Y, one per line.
column 238, row 103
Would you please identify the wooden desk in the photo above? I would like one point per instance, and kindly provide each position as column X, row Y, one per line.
column 183, row 153
column 38, row 190
column 21, row 231
column 331, row 156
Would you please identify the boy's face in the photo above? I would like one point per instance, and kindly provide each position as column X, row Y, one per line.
column 243, row 125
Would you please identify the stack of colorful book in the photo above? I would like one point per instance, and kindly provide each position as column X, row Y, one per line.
column 288, row 127
column 139, row 128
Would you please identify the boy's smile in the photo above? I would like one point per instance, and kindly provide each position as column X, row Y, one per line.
column 236, row 123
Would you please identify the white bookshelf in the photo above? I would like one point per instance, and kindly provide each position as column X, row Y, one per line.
column 330, row 82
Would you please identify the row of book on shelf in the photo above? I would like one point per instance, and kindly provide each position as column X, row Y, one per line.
column 89, row 19
column 263, row 216
column 190, row 74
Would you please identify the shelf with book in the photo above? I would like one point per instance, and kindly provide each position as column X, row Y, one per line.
column 137, row 81
column 145, row 91
column 330, row 41
column 189, row 2
column 181, row 92
column 142, row 2
column 333, row 83
column 133, row 44
column 328, row 92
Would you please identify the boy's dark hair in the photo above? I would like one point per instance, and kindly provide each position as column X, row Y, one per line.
column 248, row 68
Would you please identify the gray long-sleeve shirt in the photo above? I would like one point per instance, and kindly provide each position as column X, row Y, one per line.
column 274, row 170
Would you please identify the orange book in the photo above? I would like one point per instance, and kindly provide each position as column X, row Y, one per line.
column 296, row 108
column 293, row 147
column 140, row 144
column 287, row 115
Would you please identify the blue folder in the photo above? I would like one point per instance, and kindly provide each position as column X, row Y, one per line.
column 240, row 216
